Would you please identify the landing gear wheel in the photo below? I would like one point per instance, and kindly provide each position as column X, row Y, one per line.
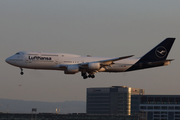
column 21, row 71
column 84, row 75
column 91, row 76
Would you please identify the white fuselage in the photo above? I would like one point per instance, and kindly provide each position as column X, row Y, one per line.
column 52, row 61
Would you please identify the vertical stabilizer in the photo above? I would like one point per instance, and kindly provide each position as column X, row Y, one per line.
column 155, row 57
column 160, row 52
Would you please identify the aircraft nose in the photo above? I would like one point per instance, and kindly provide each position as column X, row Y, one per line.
column 7, row 60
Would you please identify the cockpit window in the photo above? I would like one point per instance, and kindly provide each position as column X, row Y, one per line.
column 17, row 53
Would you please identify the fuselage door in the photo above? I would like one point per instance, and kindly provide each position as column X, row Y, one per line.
column 56, row 58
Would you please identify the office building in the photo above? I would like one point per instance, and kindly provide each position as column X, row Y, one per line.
column 111, row 100
column 157, row 107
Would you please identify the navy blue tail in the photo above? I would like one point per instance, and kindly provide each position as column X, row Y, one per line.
column 160, row 52
column 157, row 55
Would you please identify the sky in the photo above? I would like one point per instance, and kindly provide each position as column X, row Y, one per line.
column 105, row 28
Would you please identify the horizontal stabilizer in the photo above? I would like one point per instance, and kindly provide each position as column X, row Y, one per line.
column 165, row 62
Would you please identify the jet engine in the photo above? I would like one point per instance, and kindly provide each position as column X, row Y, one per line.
column 94, row 66
column 72, row 69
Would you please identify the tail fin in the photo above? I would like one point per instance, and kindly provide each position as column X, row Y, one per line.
column 160, row 52
column 155, row 57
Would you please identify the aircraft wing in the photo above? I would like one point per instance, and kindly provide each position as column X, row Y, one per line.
column 107, row 62
column 111, row 61
column 102, row 63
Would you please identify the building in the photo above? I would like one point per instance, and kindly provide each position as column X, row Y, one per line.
column 135, row 103
column 157, row 107
column 111, row 100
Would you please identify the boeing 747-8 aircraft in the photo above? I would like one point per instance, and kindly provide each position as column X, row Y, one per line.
column 87, row 65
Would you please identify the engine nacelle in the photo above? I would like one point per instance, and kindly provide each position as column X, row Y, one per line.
column 72, row 69
column 94, row 66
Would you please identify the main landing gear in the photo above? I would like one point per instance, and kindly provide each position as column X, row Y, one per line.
column 85, row 76
column 21, row 71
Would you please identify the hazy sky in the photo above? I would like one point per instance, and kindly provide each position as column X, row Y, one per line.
column 107, row 28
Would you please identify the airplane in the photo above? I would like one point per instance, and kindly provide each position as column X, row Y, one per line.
column 88, row 65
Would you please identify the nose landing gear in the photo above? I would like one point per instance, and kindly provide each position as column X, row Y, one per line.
column 21, row 71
